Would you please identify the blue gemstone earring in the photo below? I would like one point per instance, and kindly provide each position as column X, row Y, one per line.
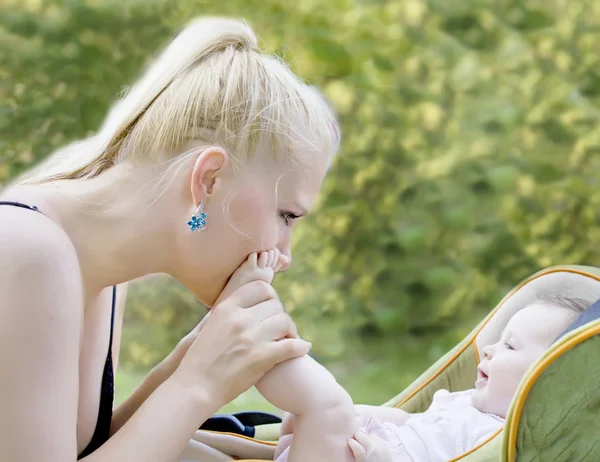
column 198, row 221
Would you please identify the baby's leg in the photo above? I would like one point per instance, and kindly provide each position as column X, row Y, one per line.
column 325, row 417
column 255, row 268
column 285, row 435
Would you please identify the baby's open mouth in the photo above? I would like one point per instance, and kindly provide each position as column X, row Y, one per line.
column 482, row 378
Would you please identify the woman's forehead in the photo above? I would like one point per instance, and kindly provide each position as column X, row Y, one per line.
column 293, row 181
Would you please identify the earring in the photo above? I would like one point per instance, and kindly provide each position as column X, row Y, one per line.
column 198, row 221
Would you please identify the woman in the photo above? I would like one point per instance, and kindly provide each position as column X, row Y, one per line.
column 211, row 156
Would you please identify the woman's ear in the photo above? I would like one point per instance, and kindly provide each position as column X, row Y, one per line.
column 209, row 165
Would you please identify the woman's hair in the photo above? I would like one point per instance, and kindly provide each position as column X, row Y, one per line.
column 210, row 86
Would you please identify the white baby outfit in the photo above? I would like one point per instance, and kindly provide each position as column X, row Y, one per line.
column 450, row 427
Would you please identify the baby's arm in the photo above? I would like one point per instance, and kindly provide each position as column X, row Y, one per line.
column 324, row 414
column 366, row 448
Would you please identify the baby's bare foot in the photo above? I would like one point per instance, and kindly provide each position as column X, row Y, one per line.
column 257, row 267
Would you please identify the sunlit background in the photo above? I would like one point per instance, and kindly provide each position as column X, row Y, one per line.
column 470, row 159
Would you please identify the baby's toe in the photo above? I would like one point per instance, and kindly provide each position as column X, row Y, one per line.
column 263, row 260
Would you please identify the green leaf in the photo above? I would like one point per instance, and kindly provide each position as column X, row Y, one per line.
column 334, row 57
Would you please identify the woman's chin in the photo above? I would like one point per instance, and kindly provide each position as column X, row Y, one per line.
column 206, row 292
column 208, row 301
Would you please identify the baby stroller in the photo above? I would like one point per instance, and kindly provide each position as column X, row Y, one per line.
column 554, row 416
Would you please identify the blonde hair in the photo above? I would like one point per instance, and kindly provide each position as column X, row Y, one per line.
column 210, row 85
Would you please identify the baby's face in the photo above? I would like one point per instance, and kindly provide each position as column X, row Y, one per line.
column 525, row 338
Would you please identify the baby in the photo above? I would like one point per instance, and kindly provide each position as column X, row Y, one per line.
column 326, row 425
column 457, row 422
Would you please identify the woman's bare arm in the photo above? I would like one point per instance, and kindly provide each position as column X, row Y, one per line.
column 40, row 326
column 154, row 379
column 41, row 312
column 161, row 427
column 151, row 382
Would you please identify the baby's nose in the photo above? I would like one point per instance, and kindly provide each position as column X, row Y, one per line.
column 487, row 351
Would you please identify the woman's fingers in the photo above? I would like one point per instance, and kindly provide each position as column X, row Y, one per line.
column 277, row 326
column 251, row 294
column 283, row 350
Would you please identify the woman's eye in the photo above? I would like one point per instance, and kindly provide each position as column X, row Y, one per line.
column 508, row 346
column 289, row 217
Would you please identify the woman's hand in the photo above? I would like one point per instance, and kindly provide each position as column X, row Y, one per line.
column 242, row 338
column 250, row 270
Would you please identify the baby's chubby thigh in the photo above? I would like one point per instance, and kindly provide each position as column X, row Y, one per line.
column 302, row 386
column 325, row 418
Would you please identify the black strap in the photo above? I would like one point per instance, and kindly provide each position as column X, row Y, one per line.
column 107, row 392
column 112, row 321
column 19, row 204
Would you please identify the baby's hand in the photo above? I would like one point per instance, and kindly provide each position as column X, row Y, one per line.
column 367, row 448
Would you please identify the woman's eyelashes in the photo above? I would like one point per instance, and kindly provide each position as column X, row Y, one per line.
column 288, row 217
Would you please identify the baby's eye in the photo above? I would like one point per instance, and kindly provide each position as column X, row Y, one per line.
column 508, row 346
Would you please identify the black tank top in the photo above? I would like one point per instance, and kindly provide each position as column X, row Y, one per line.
column 102, row 431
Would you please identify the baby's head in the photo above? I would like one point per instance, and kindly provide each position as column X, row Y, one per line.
column 526, row 336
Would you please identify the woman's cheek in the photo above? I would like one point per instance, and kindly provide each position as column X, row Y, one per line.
column 262, row 228
column 265, row 235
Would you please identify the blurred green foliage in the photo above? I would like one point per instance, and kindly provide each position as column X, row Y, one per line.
column 469, row 157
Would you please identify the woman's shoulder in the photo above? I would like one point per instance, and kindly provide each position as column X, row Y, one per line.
column 34, row 249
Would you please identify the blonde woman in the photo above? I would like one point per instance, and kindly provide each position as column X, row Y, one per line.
column 211, row 156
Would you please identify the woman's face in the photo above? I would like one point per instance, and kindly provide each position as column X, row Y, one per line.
column 252, row 211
